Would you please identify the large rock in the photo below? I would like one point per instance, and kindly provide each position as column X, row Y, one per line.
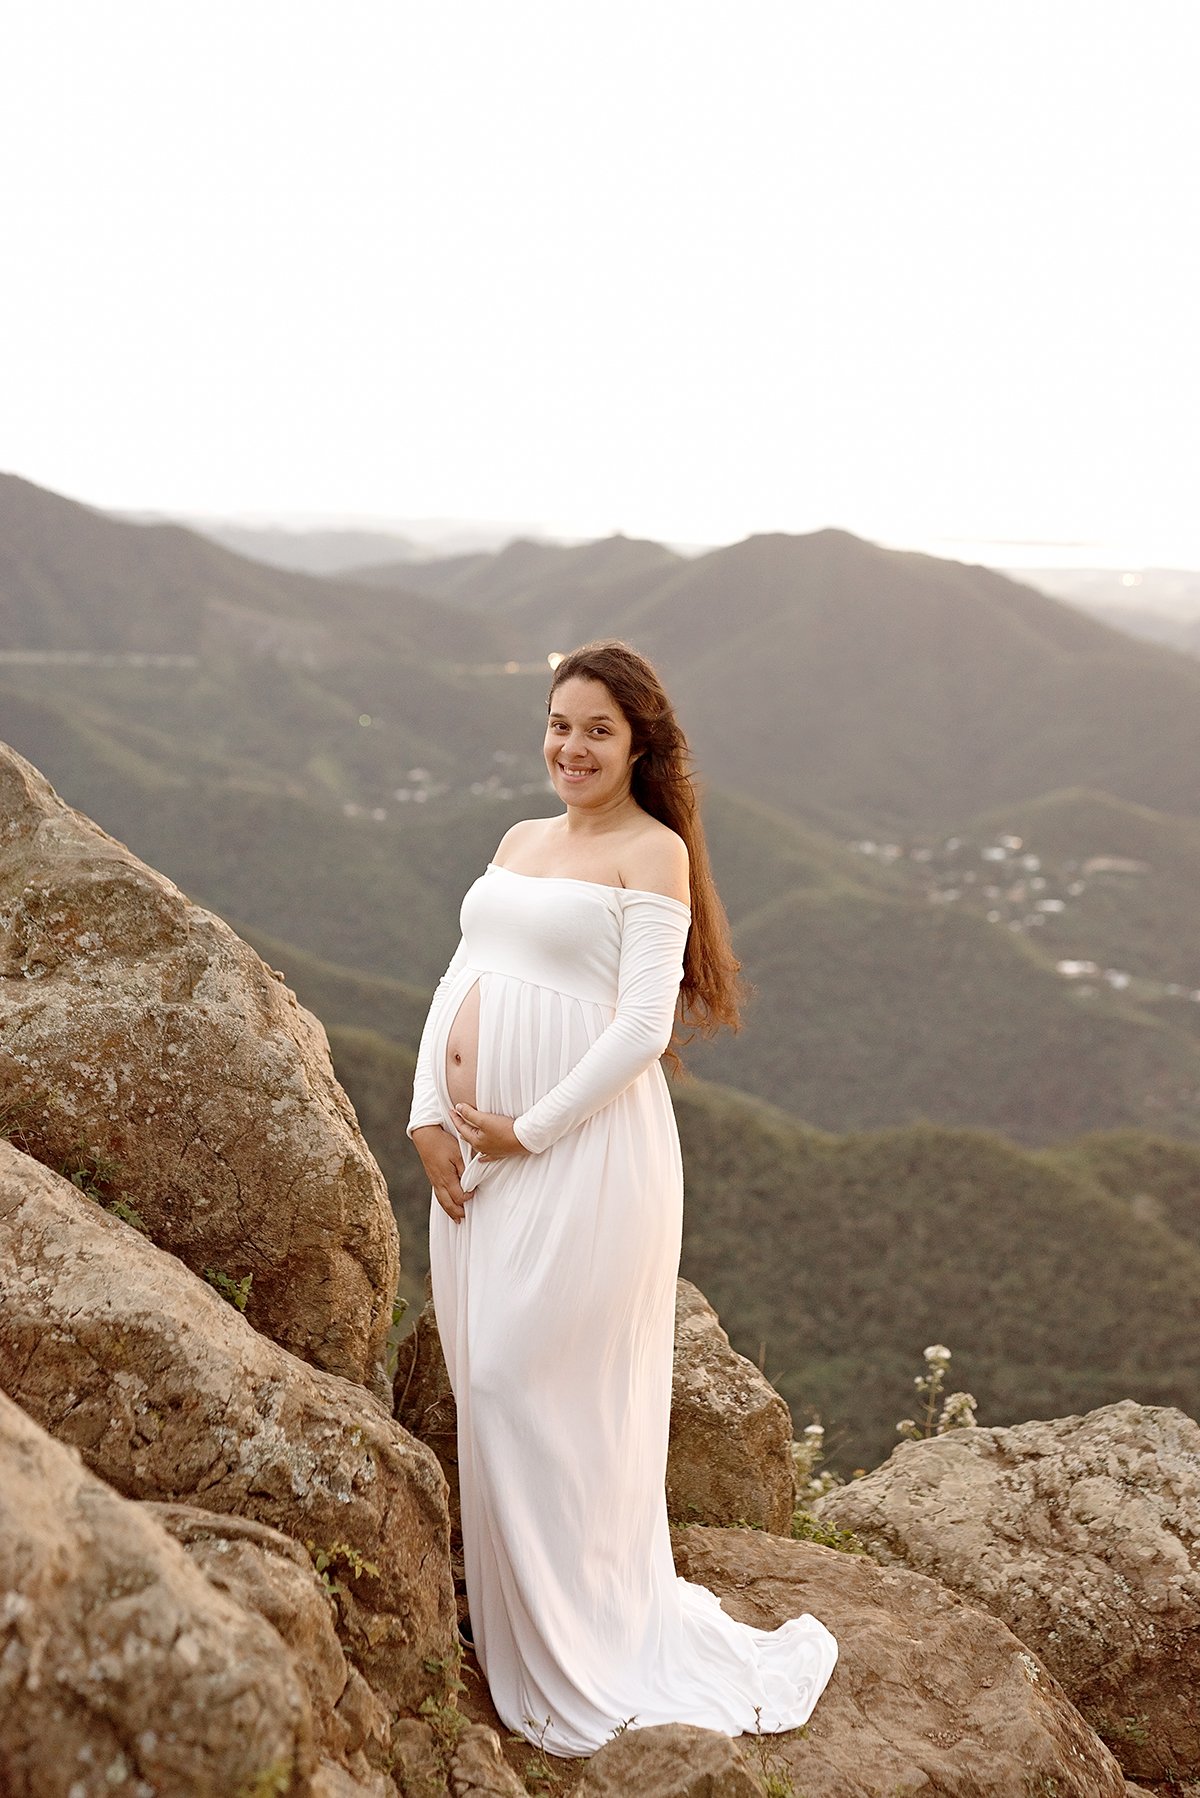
column 670, row 1760
column 478, row 1768
column 138, row 1031
column 1083, row 1535
column 112, row 1345
column 730, row 1455
column 452, row 1757
column 265, row 1571
column 122, row 1670
column 928, row 1695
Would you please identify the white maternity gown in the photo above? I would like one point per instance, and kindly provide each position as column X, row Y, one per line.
column 555, row 1302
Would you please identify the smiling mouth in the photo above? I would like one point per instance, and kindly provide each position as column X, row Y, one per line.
column 574, row 773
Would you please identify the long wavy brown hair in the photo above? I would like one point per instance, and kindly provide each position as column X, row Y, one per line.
column 712, row 990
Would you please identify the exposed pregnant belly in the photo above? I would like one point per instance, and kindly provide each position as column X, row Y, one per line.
column 462, row 1050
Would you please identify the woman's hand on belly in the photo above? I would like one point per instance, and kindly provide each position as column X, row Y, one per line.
column 444, row 1165
column 490, row 1135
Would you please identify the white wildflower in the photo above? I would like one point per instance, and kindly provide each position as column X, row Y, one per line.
column 958, row 1412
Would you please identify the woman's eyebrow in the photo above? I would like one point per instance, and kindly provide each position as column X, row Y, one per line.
column 596, row 717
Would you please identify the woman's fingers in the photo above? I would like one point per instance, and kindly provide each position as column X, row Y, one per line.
column 485, row 1131
column 443, row 1163
column 444, row 1166
column 489, row 1137
column 452, row 1203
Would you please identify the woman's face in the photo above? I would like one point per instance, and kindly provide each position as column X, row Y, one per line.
column 588, row 744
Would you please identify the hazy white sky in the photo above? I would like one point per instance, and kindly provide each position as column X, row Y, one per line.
column 924, row 269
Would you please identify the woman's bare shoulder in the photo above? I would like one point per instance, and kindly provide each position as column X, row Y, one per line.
column 658, row 862
column 523, row 834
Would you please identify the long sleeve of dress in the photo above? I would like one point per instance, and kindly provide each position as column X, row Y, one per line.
column 426, row 1108
column 654, row 933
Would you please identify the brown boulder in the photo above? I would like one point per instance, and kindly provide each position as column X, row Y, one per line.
column 670, row 1760
column 419, row 1761
column 122, row 1670
column 928, row 1695
column 453, row 1757
column 730, row 1455
column 478, row 1768
column 265, row 1571
column 114, row 1346
column 141, row 1038
column 1083, row 1535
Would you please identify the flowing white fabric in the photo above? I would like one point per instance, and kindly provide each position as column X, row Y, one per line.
column 555, row 1302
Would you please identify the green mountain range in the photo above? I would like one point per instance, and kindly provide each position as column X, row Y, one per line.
column 956, row 826
column 832, row 678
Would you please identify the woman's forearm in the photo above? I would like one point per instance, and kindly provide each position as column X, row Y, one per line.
column 652, row 944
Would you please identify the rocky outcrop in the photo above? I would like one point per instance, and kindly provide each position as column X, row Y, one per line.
column 1083, row 1535
column 453, row 1758
column 929, row 1694
column 226, row 1567
column 113, row 1346
column 122, row 1669
column 142, row 1040
column 670, row 1760
column 729, row 1460
column 730, row 1457
column 170, row 1395
column 264, row 1571
column 478, row 1768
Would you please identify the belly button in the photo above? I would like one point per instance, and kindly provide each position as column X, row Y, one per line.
column 457, row 1057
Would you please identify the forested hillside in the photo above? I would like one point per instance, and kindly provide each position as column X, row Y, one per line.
column 1060, row 1281
column 956, row 826
column 332, row 762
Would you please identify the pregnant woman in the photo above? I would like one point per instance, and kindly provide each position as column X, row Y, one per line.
column 544, row 1122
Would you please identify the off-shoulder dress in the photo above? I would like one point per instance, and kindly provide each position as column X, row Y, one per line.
column 555, row 1302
